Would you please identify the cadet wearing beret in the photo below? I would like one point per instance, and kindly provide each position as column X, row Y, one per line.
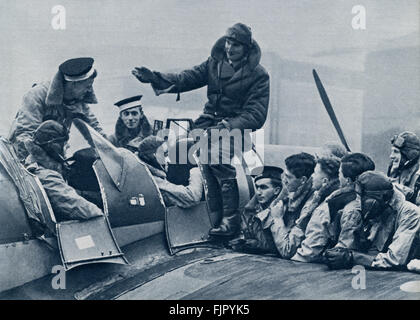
column 63, row 98
column 131, row 124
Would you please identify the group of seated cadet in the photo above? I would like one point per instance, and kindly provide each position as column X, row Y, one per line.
column 390, row 227
column 338, row 212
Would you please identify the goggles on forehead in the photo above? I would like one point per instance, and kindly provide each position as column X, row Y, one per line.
column 399, row 142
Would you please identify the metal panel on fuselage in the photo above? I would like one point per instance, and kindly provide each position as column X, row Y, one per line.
column 13, row 220
column 138, row 199
column 187, row 226
column 90, row 241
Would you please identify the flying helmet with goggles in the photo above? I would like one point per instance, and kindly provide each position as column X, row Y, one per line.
column 408, row 143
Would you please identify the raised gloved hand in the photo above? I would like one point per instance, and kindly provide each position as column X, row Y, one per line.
column 338, row 258
column 144, row 75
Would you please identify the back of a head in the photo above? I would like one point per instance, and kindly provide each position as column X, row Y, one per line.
column 301, row 164
column 329, row 165
column 333, row 150
column 354, row 164
column 149, row 145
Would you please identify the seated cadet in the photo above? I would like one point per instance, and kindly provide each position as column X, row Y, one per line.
column 304, row 240
column 344, row 205
column 65, row 97
column 268, row 186
column 283, row 213
column 404, row 167
column 338, row 222
column 391, row 225
column 153, row 152
column 45, row 160
column 131, row 124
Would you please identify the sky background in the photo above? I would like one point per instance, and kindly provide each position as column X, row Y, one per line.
column 172, row 35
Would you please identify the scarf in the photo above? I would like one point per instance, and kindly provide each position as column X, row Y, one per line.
column 297, row 199
column 315, row 200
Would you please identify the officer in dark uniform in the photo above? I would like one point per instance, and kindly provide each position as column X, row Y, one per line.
column 64, row 98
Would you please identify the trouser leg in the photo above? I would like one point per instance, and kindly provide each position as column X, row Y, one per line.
column 221, row 150
column 230, row 223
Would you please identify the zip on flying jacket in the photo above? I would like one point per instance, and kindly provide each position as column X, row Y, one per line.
column 239, row 97
column 179, row 195
column 44, row 102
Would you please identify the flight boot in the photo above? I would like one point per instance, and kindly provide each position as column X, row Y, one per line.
column 230, row 223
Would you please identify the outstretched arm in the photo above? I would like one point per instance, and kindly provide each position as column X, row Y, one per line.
column 187, row 80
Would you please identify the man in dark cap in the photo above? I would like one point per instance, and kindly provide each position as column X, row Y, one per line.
column 62, row 99
column 45, row 160
column 391, row 226
column 404, row 169
column 268, row 185
column 153, row 152
column 238, row 97
column 131, row 124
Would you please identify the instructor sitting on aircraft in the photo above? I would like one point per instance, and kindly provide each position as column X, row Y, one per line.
column 64, row 98
column 391, row 226
column 45, row 160
column 131, row 124
column 153, row 152
column 238, row 96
